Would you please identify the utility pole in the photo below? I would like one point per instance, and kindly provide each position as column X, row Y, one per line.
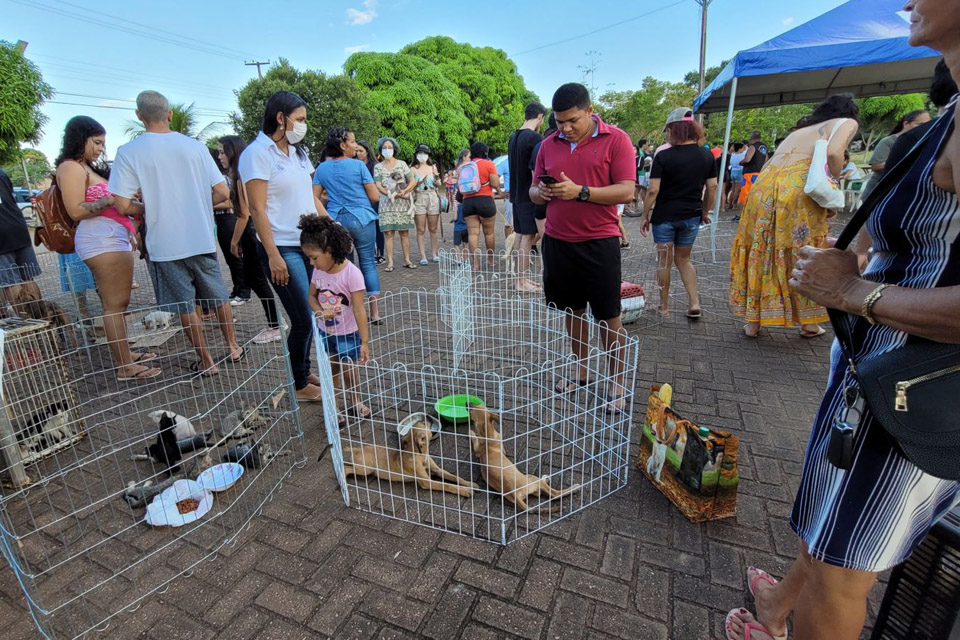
column 257, row 65
column 704, row 5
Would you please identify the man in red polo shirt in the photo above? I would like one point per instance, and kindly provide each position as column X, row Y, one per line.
column 583, row 172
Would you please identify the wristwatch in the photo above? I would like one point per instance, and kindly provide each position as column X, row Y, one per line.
column 584, row 194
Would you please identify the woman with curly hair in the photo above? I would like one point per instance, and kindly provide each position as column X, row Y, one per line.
column 336, row 297
column 104, row 239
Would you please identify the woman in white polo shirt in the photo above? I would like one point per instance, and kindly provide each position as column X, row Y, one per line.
column 277, row 174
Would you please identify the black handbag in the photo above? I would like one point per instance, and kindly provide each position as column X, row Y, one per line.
column 913, row 392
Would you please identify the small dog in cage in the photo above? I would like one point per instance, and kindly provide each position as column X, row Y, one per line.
column 28, row 304
column 411, row 462
column 166, row 450
column 498, row 470
column 157, row 320
column 183, row 428
column 45, row 429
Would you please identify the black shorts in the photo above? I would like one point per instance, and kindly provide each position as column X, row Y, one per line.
column 524, row 218
column 540, row 211
column 576, row 274
column 482, row 206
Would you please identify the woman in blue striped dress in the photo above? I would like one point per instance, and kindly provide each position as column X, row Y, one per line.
column 859, row 522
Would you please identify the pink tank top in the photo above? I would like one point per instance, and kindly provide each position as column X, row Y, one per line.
column 96, row 192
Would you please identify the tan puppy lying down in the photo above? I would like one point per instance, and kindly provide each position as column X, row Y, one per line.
column 497, row 469
column 410, row 462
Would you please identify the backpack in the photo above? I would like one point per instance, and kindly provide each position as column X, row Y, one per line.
column 57, row 228
column 468, row 183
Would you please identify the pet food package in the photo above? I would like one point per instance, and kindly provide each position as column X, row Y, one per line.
column 695, row 467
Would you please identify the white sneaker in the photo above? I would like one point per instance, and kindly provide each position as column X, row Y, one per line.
column 268, row 335
column 236, row 301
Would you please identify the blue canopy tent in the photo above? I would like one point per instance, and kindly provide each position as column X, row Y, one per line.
column 859, row 47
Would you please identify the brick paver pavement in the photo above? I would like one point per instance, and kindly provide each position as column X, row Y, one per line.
column 629, row 567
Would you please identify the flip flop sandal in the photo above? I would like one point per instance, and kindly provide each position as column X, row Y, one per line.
column 143, row 374
column 142, row 358
column 748, row 627
column 196, row 367
column 243, row 354
column 423, row 262
column 807, row 335
column 410, row 265
column 696, row 314
column 563, row 385
column 377, row 322
column 761, row 575
column 387, row 269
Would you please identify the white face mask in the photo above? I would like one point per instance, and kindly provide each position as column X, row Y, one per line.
column 386, row 153
column 422, row 157
column 298, row 132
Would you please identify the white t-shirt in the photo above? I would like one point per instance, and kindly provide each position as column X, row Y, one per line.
column 175, row 174
column 289, row 186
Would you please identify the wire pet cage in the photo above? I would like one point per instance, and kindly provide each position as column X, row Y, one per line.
column 511, row 355
column 106, row 484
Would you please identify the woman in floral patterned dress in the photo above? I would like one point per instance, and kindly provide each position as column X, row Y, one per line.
column 778, row 219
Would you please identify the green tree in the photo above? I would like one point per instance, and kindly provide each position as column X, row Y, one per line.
column 879, row 115
column 22, row 93
column 415, row 100
column 642, row 113
column 184, row 121
column 38, row 168
column 492, row 93
column 771, row 122
column 332, row 101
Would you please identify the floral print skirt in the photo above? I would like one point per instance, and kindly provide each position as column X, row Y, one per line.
column 777, row 220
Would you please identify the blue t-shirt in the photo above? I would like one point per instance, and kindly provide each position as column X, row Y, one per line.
column 460, row 224
column 344, row 179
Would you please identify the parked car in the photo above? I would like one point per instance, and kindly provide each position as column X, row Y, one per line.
column 25, row 201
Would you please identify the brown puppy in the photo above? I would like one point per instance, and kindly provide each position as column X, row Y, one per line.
column 410, row 462
column 498, row 470
column 27, row 303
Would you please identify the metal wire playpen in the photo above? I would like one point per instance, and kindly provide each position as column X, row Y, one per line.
column 111, row 489
column 434, row 357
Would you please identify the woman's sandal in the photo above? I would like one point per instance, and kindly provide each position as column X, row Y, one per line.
column 142, row 358
column 750, row 625
column 196, row 367
column 243, row 354
column 410, row 265
column 388, row 269
column 146, row 373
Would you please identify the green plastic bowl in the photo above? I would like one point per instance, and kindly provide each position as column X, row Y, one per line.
column 456, row 408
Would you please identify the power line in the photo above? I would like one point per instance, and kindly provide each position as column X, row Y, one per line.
column 197, row 111
column 590, row 33
column 87, row 95
column 138, row 32
column 122, row 83
column 155, row 28
column 69, row 62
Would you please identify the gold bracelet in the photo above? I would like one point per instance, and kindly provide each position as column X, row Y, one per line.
column 866, row 310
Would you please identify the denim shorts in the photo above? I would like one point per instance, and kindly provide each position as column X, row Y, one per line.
column 345, row 347
column 680, row 233
column 180, row 283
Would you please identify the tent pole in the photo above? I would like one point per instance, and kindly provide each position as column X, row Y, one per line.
column 723, row 170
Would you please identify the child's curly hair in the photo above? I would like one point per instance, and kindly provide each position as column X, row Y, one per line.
column 326, row 235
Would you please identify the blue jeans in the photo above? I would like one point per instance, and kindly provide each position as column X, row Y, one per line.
column 294, row 298
column 365, row 242
column 680, row 233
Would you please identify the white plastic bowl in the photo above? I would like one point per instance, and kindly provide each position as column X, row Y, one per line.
column 163, row 512
column 220, row 477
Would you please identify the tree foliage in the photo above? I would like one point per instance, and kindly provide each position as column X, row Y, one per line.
column 642, row 113
column 332, row 101
column 879, row 115
column 38, row 167
column 492, row 92
column 184, row 120
column 22, row 93
column 416, row 102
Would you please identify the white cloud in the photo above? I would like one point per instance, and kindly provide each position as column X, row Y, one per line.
column 788, row 21
column 358, row 17
column 356, row 48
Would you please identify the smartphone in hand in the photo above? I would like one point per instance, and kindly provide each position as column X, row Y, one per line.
column 547, row 179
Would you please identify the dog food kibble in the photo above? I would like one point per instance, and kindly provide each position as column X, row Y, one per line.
column 188, row 506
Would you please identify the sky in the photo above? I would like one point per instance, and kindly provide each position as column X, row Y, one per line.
column 99, row 55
